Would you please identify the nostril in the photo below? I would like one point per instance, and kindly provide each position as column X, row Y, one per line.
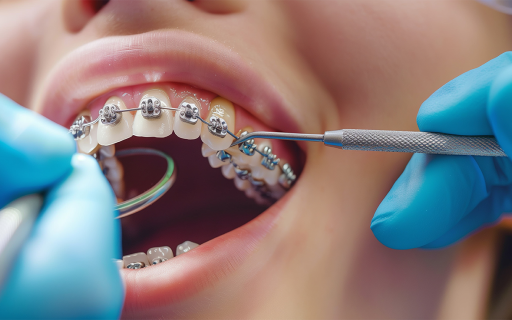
column 96, row 5
column 77, row 13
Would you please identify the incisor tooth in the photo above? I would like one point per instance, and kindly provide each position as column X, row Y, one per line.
column 223, row 109
column 207, row 151
column 185, row 247
column 160, row 127
column 88, row 144
column 215, row 162
column 159, row 254
column 184, row 129
column 110, row 134
column 228, row 171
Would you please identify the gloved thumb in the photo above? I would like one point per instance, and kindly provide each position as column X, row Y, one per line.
column 499, row 109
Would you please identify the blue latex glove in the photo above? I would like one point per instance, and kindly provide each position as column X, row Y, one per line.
column 65, row 270
column 440, row 199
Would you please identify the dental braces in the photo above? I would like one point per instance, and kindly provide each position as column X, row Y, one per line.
column 151, row 108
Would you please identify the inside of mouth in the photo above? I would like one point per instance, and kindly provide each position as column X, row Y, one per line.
column 200, row 206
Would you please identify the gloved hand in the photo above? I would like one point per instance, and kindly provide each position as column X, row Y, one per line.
column 65, row 269
column 439, row 199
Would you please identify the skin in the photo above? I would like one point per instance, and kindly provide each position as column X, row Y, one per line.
column 341, row 64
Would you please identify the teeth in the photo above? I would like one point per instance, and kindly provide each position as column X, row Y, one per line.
column 136, row 261
column 221, row 110
column 182, row 128
column 88, row 144
column 119, row 263
column 215, row 162
column 277, row 190
column 112, row 133
column 159, row 254
column 251, row 193
column 207, row 151
column 159, row 127
column 228, row 171
column 112, row 169
column 107, row 152
column 242, row 184
column 260, row 172
column 185, row 247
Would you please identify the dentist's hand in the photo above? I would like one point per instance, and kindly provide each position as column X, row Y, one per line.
column 440, row 199
column 65, row 269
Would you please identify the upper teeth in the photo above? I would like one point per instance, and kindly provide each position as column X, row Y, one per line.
column 155, row 255
column 251, row 165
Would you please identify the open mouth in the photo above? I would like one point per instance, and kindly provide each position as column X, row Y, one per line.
column 219, row 208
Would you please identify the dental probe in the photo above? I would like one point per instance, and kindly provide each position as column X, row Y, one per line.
column 393, row 141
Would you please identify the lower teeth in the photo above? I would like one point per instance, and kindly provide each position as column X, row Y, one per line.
column 154, row 256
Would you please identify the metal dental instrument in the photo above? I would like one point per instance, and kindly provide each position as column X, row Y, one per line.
column 393, row 141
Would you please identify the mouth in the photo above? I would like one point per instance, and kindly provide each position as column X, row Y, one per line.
column 219, row 209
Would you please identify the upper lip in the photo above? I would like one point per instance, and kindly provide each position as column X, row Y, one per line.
column 159, row 56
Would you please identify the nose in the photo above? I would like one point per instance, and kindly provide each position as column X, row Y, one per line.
column 135, row 16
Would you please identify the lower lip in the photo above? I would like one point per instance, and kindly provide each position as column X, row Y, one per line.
column 186, row 275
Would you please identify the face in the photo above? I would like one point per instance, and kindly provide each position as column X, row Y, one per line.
column 292, row 66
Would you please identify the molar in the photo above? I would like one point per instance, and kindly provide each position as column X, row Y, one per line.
column 184, row 129
column 221, row 110
column 159, row 254
column 159, row 127
column 136, row 261
column 185, row 247
column 89, row 144
column 110, row 134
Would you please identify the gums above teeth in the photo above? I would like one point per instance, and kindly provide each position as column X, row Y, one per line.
column 255, row 169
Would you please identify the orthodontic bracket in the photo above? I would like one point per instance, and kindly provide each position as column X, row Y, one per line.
column 136, row 265
column 188, row 113
column 79, row 129
column 269, row 160
column 247, row 147
column 287, row 179
column 108, row 114
column 150, row 107
column 223, row 156
column 218, row 126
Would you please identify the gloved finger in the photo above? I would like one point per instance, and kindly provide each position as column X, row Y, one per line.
column 65, row 270
column 499, row 109
column 460, row 106
column 35, row 152
column 433, row 193
column 486, row 213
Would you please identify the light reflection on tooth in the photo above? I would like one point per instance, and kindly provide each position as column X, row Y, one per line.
column 160, row 127
column 185, row 247
column 159, row 254
column 132, row 261
column 223, row 109
column 215, row 162
column 88, row 144
column 110, row 134
column 184, row 129
column 242, row 184
column 207, row 151
column 228, row 171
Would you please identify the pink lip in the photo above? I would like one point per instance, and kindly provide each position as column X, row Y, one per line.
column 159, row 56
column 171, row 56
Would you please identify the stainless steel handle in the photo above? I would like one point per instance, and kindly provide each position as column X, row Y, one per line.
column 413, row 142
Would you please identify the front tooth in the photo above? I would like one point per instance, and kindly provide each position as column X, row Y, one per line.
column 88, row 144
column 159, row 127
column 136, row 261
column 119, row 263
column 242, row 184
column 221, row 110
column 228, row 171
column 185, row 126
column 112, row 133
column 185, row 247
column 159, row 254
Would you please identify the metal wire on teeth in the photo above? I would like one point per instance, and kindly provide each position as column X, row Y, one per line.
column 110, row 114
